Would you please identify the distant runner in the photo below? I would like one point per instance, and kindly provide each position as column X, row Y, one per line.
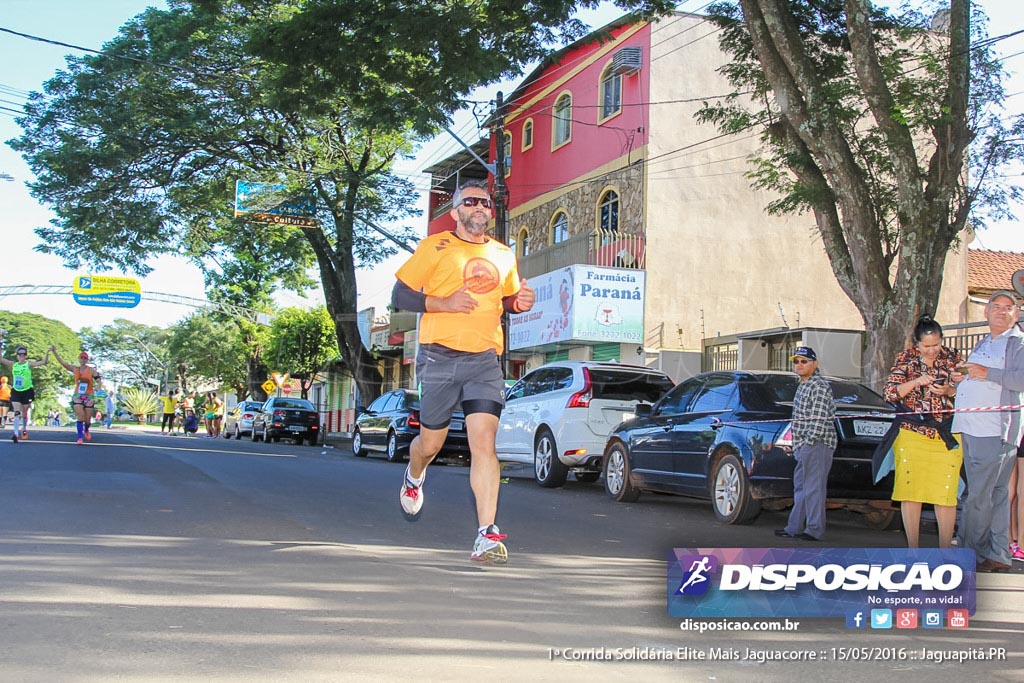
column 82, row 400
column 22, row 390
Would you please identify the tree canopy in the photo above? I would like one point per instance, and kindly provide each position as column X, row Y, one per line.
column 887, row 127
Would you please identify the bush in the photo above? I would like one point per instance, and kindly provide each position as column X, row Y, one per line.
column 139, row 402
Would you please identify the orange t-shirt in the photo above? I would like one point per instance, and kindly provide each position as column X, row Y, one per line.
column 442, row 264
column 5, row 392
column 83, row 380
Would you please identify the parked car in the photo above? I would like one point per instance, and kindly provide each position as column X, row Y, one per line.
column 238, row 420
column 727, row 436
column 391, row 422
column 292, row 418
column 558, row 417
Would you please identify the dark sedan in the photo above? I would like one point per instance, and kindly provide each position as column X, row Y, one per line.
column 290, row 418
column 391, row 422
column 727, row 436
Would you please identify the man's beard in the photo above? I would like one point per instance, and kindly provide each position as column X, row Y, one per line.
column 475, row 223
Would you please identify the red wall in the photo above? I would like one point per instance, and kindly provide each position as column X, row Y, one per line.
column 539, row 169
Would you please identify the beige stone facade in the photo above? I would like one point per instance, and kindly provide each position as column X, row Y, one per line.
column 580, row 203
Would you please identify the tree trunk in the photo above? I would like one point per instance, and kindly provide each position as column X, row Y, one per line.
column 337, row 274
column 823, row 158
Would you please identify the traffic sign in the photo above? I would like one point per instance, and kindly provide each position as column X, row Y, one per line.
column 268, row 386
column 287, row 389
column 279, row 378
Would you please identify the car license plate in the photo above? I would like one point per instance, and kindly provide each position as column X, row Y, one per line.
column 867, row 428
column 456, row 426
column 296, row 428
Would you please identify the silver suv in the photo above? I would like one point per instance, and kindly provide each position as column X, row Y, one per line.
column 558, row 417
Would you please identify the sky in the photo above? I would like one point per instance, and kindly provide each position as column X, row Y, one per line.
column 25, row 65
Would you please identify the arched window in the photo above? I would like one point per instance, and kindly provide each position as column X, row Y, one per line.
column 508, row 153
column 610, row 93
column 527, row 140
column 608, row 212
column 562, row 119
column 559, row 227
column 523, row 242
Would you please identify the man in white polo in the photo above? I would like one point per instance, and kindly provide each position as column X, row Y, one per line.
column 994, row 376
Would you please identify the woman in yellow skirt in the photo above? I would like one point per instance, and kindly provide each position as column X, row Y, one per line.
column 927, row 457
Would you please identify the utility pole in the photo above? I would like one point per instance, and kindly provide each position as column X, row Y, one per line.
column 500, row 197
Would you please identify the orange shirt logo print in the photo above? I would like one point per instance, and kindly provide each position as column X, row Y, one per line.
column 480, row 275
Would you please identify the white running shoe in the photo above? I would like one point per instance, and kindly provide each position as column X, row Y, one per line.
column 489, row 547
column 411, row 497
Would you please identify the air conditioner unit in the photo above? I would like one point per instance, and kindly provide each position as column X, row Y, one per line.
column 627, row 60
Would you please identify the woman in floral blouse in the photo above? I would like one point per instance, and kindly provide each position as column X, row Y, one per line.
column 927, row 457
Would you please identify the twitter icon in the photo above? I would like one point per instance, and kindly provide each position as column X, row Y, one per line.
column 881, row 618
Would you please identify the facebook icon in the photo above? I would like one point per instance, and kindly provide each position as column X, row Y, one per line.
column 856, row 619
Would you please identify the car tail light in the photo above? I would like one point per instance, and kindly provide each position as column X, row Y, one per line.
column 278, row 413
column 581, row 399
column 247, row 416
column 414, row 419
column 785, row 440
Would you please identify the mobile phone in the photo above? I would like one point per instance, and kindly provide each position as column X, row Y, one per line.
column 939, row 380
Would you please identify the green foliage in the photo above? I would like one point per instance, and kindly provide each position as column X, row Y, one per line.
column 139, row 402
column 406, row 62
column 206, row 348
column 37, row 333
column 301, row 342
column 127, row 351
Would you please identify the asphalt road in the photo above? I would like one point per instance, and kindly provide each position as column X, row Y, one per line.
column 140, row 557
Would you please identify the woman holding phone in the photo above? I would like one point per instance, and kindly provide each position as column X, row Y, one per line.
column 926, row 456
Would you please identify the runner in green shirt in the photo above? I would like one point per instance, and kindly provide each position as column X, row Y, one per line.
column 22, row 390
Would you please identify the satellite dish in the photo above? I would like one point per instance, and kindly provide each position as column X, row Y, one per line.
column 1018, row 282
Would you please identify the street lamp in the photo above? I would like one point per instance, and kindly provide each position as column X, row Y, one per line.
column 162, row 363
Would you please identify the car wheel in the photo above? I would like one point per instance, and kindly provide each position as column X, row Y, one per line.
column 357, row 445
column 587, row 477
column 392, row 453
column 238, row 433
column 312, row 441
column 254, row 436
column 617, row 483
column 548, row 470
column 269, row 437
column 883, row 520
column 730, row 492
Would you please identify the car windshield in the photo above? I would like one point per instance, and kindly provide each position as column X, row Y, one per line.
column 782, row 389
column 298, row 403
column 252, row 405
column 611, row 384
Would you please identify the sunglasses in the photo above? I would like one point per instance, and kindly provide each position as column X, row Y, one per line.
column 801, row 361
column 477, row 201
column 22, row 353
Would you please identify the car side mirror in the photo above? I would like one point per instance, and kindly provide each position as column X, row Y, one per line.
column 643, row 409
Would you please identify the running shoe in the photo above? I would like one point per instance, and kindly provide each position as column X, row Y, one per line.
column 1016, row 553
column 14, row 437
column 489, row 547
column 79, row 442
column 411, row 497
column 24, row 436
column 88, row 435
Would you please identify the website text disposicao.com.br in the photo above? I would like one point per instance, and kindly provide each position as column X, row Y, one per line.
column 708, row 625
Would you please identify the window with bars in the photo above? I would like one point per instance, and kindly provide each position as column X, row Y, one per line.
column 608, row 211
column 559, row 227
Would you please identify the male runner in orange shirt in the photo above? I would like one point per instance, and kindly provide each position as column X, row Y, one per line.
column 462, row 281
